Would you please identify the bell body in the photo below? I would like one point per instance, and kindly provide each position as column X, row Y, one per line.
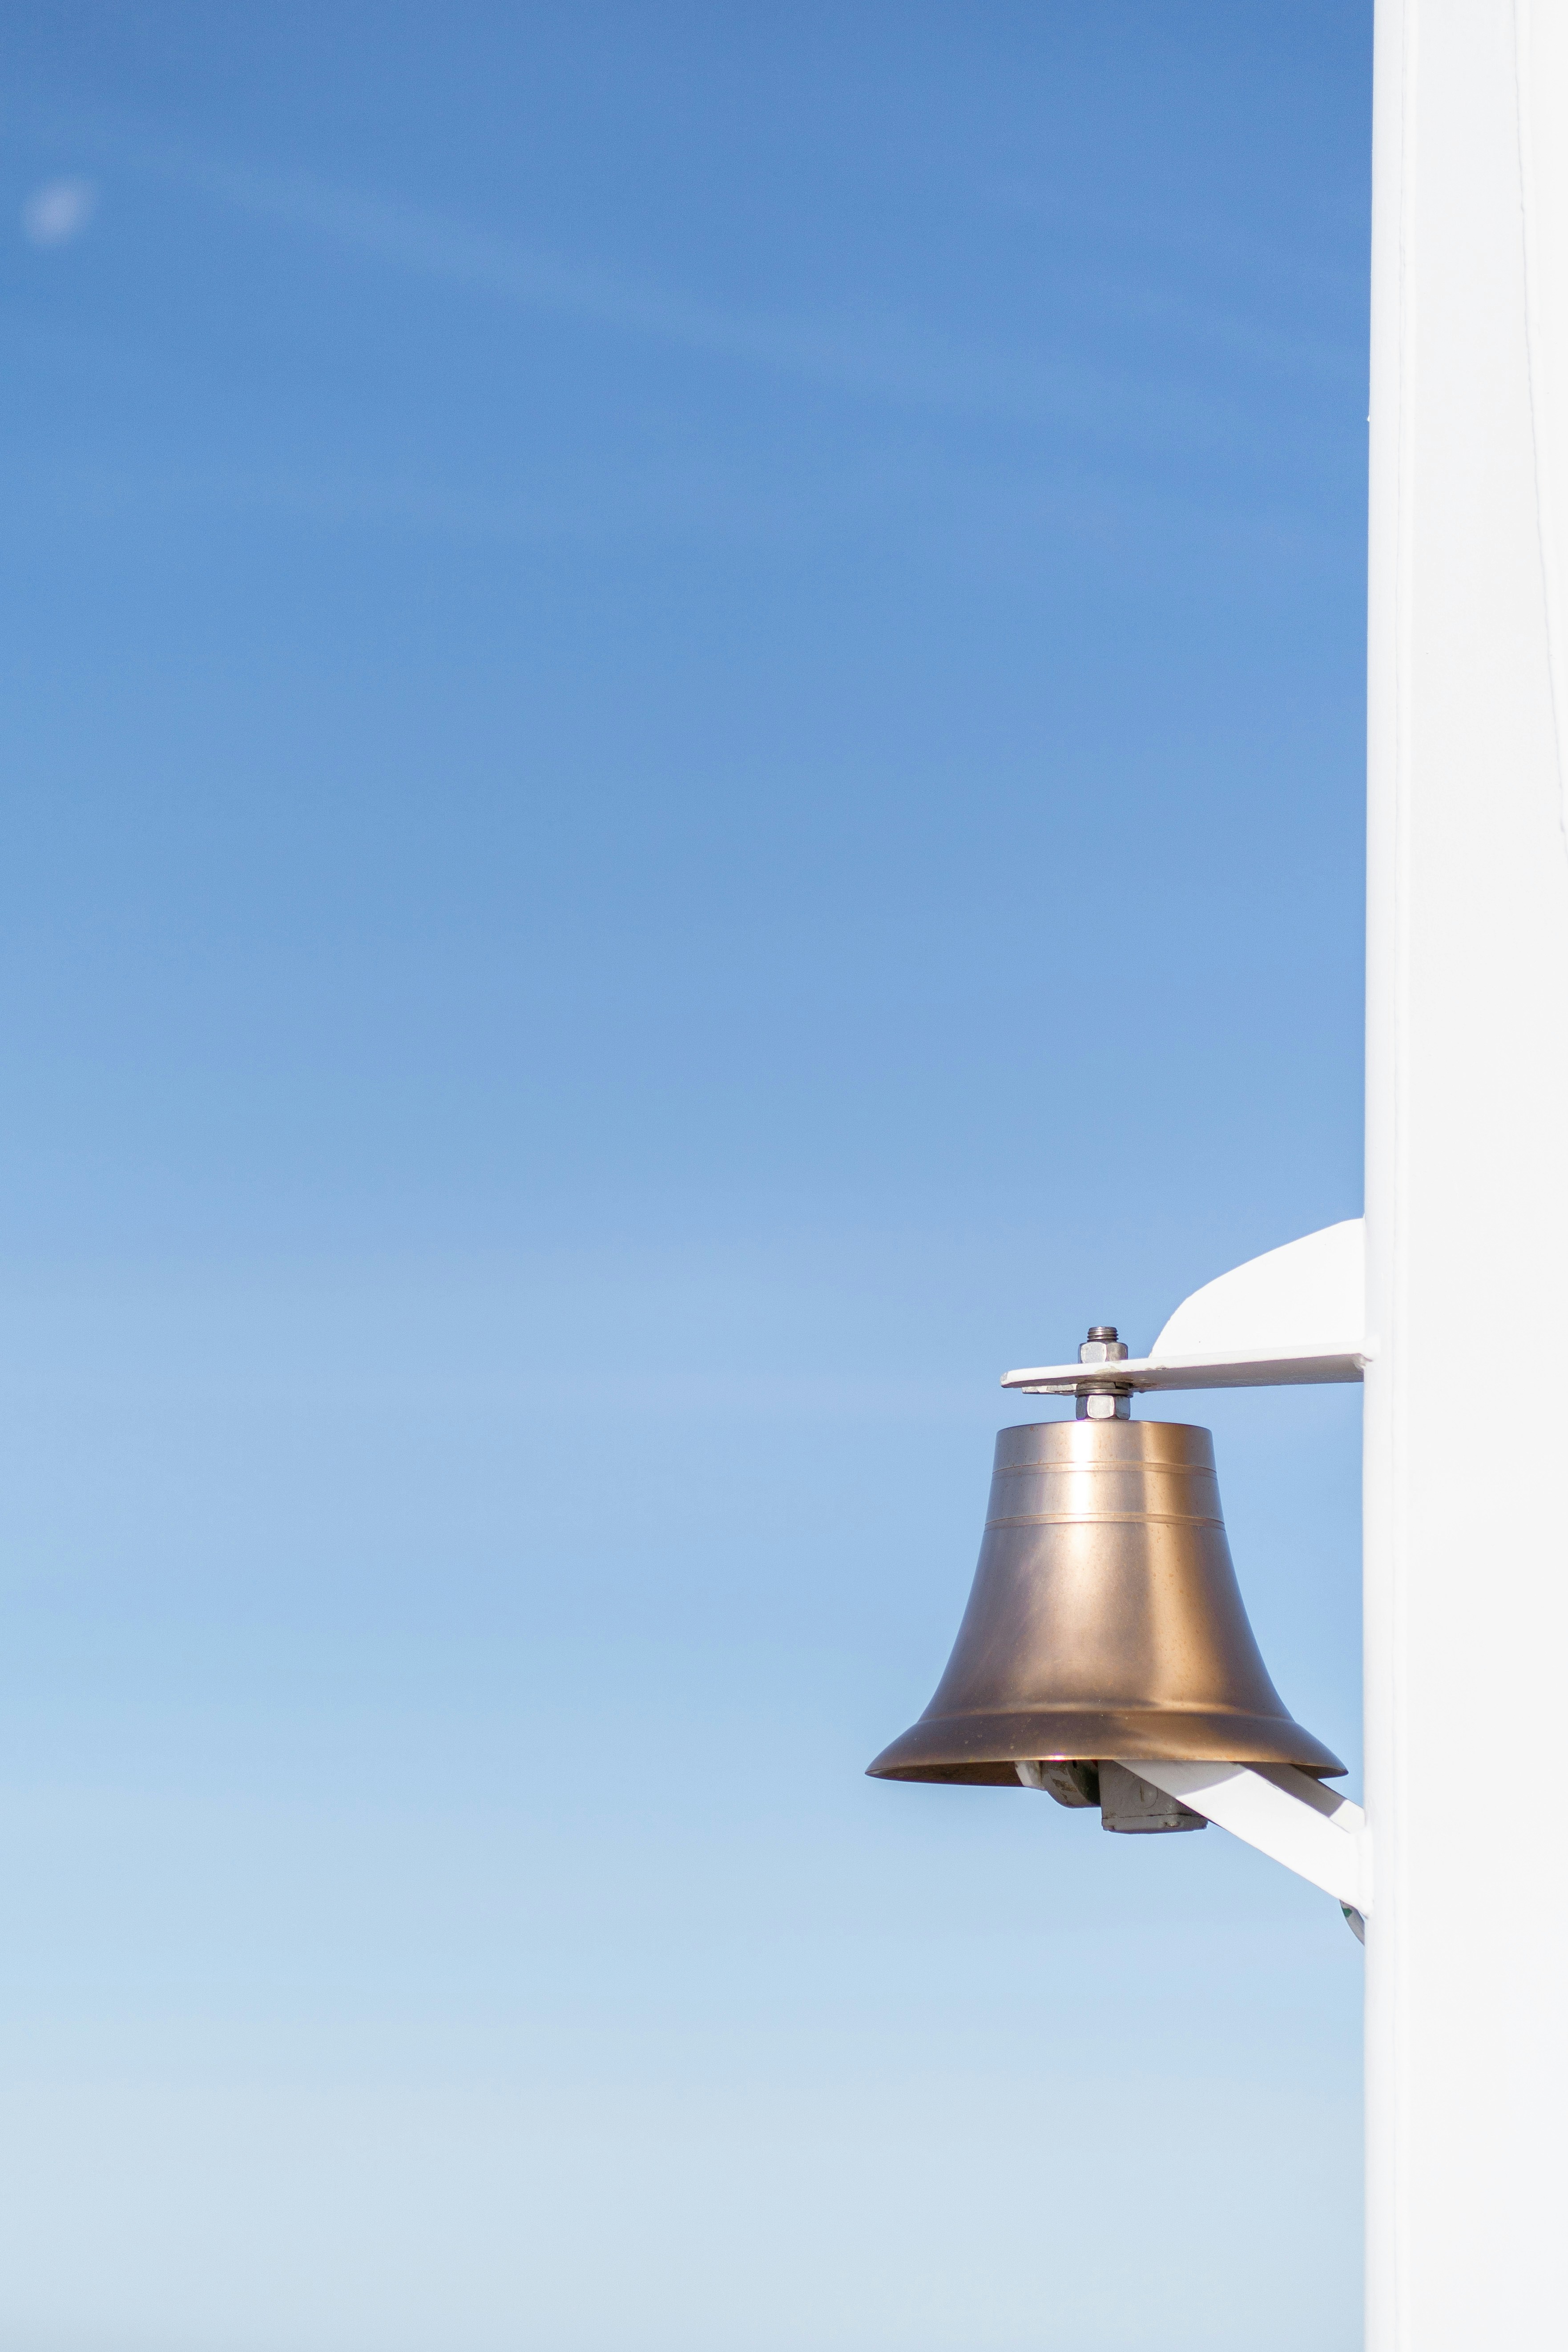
column 1105, row 1619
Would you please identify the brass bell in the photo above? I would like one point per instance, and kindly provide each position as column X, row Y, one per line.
column 1105, row 1623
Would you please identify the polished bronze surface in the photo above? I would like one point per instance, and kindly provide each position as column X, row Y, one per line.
column 1105, row 1619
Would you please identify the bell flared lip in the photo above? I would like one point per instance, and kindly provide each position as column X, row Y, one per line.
column 986, row 1749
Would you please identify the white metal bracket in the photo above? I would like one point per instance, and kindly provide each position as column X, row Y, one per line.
column 1286, row 1815
column 1296, row 1315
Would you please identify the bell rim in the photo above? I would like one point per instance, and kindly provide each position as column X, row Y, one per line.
column 986, row 1749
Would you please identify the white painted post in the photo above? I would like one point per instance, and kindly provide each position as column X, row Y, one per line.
column 1467, row 1202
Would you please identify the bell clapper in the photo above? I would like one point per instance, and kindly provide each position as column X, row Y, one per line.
column 1069, row 1784
column 1102, row 1402
column 1125, row 1801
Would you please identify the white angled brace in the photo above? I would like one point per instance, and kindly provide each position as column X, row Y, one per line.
column 1286, row 1815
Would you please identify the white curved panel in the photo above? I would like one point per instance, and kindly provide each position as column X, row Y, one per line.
column 1294, row 1316
column 1307, row 1298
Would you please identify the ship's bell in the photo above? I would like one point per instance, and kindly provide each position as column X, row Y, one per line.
column 1105, row 1623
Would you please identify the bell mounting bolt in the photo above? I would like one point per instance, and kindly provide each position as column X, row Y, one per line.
column 1102, row 1401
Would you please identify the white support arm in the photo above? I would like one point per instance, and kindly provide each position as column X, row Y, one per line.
column 1296, row 1315
column 1286, row 1815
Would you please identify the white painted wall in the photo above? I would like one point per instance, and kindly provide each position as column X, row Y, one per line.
column 1467, row 1493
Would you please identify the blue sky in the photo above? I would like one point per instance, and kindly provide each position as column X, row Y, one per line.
column 683, row 767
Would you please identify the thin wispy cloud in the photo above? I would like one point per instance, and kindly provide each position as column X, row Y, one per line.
column 879, row 355
column 883, row 355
